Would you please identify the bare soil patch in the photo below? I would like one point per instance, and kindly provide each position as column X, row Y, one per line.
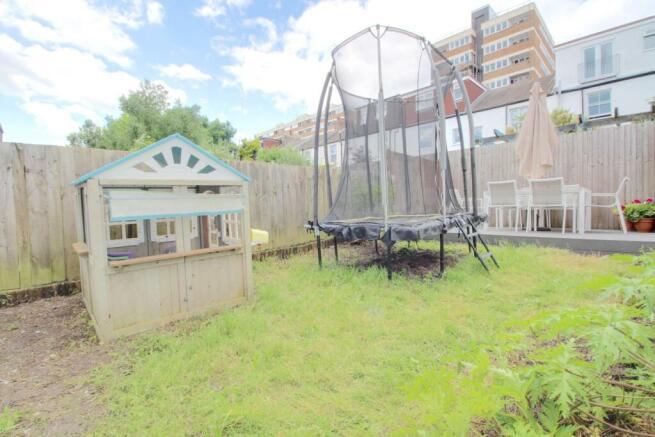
column 408, row 260
column 48, row 349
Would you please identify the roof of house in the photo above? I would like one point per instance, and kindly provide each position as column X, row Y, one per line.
column 198, row 162
column 515, row 93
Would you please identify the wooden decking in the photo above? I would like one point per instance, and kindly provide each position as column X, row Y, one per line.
column 597, row 241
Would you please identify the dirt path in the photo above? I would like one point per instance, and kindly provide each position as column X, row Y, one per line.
column 47, row 349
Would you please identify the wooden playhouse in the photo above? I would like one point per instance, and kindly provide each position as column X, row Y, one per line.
column 163, row 234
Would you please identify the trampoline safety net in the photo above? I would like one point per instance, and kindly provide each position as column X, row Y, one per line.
column 396, row 182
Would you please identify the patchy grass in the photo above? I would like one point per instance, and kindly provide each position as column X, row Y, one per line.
column 342, row 351
column 9, row 418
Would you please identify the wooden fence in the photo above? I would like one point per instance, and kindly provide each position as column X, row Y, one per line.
column 37, row 225
column 37, row 222
column 596, row 159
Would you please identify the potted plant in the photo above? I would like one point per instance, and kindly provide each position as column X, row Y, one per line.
column 641, row 215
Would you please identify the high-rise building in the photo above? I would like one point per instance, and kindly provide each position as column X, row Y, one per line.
column 502, row 49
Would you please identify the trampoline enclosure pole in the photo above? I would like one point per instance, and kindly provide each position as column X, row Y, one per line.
column 328, row 178
column 469, row 116
column 461, row 152
column 317, row 231
column 382, row 139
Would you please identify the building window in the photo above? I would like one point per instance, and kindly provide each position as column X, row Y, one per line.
column 516, row 116
column 649, row 39
column 426, row 136
column 598, row 60
column 123, row 234
column 457, row 93
column 600, row 103
column 424, row 100
column 333, row 154
column 456, row 139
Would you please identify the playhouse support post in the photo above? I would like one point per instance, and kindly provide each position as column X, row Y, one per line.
column 247, row 245
column 97, row 225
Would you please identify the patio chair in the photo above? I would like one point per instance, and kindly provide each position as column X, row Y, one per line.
column 616, row 202
column 547, row 195
column 503, row 194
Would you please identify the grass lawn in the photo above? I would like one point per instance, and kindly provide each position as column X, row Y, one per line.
column 344, row 351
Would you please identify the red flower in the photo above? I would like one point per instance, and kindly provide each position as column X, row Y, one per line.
column 622, row 207
column 649, row 200
column 636, row 201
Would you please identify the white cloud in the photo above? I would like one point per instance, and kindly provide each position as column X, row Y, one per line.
column 212, row 9
column 183, row 72
column 62, row 86
column 293, row 72
column 155, row 12
column 57, row 120
column 80, row 24
column 269, row 28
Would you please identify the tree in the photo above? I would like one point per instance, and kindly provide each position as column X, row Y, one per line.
column 249, row 149
column 89, row 135
column 146, row 116
column 282, row 155
column 562, row 117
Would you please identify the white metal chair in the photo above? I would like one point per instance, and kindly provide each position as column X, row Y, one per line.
column 616, row 202
column 548, row 195
column 502, row 195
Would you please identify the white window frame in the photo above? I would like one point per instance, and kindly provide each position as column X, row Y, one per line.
column 332, row 154
column 426, row 131
column 170, row 236
column 456, row 139
column 125, row 242
column 230, row 227
column 513, row 119
column 458, row 96
column 589, row 105
column 598, row 61
column 424, row 100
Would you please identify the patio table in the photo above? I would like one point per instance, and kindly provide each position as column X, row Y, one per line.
column 575, row 192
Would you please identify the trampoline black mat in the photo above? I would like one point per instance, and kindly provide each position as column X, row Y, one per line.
column 405, row 228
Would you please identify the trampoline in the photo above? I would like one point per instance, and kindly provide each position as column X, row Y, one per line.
column 396, row 182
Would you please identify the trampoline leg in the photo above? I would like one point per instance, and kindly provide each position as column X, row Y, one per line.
column 318, row 251
column 377, row 250
column 388, row 262
column 336, row 250
column 442, row 254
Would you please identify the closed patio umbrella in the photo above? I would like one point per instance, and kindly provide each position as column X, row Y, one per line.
column 537, row 138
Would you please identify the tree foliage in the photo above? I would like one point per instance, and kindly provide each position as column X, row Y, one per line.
column 147, row 116
column 562, row 117
column 249, row 149
column 282, row 155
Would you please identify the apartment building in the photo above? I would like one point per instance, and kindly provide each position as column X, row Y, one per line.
column 302, row 128
column 502, row 49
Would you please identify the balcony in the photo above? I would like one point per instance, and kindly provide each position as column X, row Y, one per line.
column 599, row 69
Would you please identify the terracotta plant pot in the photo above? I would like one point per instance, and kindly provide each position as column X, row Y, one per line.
column 645, row 225
column 630, row 226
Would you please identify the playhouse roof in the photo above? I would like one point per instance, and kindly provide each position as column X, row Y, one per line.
column 174, row 157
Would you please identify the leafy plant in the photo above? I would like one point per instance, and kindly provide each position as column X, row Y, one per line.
column 637, row 210
column 563, row 117
column 282, row 155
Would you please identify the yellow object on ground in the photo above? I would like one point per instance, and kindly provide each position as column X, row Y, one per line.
column 257, row 236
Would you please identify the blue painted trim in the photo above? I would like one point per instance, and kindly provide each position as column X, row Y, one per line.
column 180, row 137
column 127, row 218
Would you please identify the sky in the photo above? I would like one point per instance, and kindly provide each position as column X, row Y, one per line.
column 253, row 63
